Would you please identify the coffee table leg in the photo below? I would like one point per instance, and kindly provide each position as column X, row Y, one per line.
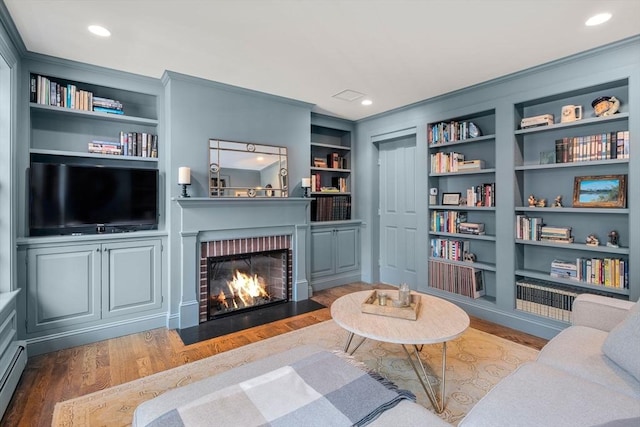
column 422, row 376
column 348, row 344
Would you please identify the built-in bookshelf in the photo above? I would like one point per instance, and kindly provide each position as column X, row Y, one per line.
column 462, row 231
column 551, row 162
column 76, row 119
column 330, row 174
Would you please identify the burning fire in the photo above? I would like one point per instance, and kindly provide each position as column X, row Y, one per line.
column 244, row 288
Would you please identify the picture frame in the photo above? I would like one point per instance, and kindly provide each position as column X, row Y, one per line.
column 600, row 191
column 451, row 199
column 218, row 186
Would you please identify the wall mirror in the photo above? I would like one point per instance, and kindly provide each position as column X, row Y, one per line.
column 239, row 169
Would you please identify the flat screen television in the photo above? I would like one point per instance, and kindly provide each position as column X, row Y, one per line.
column 79, row 199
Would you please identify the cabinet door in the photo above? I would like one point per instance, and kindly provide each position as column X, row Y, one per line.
column 63, row 286
column 131, row 277
column 347, row 250
column 322, row 252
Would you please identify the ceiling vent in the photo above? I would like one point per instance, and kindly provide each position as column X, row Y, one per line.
column 348, row 95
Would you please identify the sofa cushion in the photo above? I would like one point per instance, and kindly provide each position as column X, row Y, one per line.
column 622, row 344
column 538, row 395
column 578, row 350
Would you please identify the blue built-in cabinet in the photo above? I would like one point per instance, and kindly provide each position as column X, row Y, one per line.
column 517, row 161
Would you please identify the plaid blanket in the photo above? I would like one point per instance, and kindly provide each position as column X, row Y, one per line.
column 323, row 389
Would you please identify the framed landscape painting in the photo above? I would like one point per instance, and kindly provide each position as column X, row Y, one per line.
column 601, row 191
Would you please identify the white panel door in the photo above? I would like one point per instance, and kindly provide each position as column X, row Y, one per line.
column 398, row 220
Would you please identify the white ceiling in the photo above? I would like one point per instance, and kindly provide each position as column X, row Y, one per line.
column 396, row 52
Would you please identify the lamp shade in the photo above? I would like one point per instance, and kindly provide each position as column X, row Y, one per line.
column 306, row 182
column 184, row 175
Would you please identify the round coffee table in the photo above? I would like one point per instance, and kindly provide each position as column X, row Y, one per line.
column 438, row 321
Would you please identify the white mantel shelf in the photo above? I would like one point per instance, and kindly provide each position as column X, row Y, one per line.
column 194, row 202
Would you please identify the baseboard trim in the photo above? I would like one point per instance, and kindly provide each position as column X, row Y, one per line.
column 59, row 341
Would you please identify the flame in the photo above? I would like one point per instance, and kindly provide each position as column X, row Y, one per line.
column 246, row 288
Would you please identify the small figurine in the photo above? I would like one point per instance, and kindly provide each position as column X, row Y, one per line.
column 613, row 239
column 557, row 203
column 469, row 257
column 532, row 201
column 542, row 203
column 592, row 240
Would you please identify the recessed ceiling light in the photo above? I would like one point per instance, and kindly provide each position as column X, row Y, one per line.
column 366, row 102
column 99, row 31
column 598, row 19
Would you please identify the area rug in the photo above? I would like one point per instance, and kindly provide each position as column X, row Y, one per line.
column 476, row 361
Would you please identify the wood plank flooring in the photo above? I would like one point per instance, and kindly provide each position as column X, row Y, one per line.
column 76, row 371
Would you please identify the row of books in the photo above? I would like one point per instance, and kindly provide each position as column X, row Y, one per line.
column 338, row 184
column 528, row 228
column 50, row 92
column 137, row 144
column 457, row 279
column 603, row 146
column 533, row 228
column 450, row 131
column 554, row 302
column 335, row 208
column 482, row 195
column 608, row 272
column 333, row 161
column 447, row 221
column 446, row 162
column 449, row 249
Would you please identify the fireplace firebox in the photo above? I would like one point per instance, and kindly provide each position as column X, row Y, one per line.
column 246, row 281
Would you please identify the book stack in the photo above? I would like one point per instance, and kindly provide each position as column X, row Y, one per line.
column 545, row 300
column 458, row 279
column 555, row 234
column 471, row 228
column 105, row 147
column 446, row 162
column 564, row 269
column 106, row 105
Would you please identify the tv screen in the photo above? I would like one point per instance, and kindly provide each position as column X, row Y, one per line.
column 67, row 199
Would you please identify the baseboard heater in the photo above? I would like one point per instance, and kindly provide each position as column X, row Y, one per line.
column 11, row 376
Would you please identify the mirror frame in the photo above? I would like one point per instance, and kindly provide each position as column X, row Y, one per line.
column 220, row 174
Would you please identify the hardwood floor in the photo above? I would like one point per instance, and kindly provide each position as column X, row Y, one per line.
column 76, row 371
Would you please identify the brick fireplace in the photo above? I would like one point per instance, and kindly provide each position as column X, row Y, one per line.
column 227, row 226
column 268, row 259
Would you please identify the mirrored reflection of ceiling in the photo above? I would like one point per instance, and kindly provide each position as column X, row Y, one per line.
column 394, row 52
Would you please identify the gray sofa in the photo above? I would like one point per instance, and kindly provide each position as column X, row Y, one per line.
column 588, row 375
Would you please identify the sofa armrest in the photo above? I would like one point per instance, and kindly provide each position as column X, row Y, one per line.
column 599, row 312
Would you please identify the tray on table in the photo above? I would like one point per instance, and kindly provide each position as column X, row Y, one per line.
column 371, row 305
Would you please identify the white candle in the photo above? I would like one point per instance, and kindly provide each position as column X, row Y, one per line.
column 184, row 175
column 306, row 182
